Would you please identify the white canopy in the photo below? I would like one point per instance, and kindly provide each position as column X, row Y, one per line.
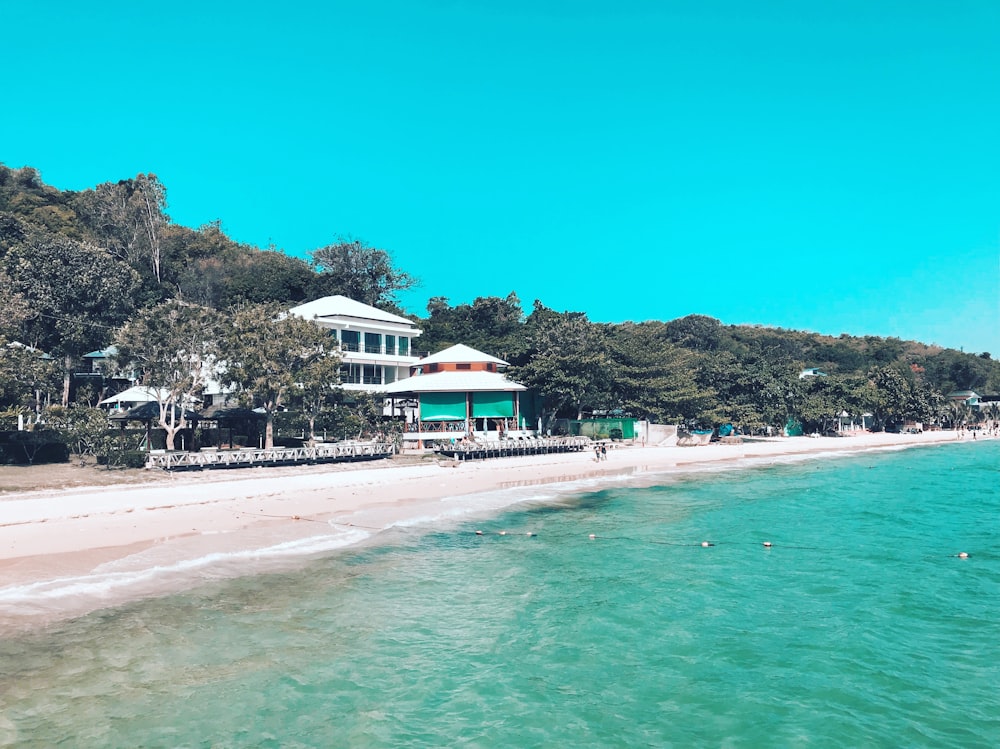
column 136, row 394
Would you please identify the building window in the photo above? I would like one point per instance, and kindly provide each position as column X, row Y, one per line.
column 373, row 343
column 390, row 375
column 404, row 346
column 390, row 344
column 372, row 375
column 350, row 340
column 463, row 365
column 432, row 367
column 350, row 374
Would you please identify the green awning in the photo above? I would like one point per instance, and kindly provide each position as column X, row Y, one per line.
column 443, row 407
column 494, row 404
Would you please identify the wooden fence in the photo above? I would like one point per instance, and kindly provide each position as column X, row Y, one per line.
column 479, row 450
column 276, row 456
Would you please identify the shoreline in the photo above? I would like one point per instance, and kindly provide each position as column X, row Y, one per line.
column 67, row 552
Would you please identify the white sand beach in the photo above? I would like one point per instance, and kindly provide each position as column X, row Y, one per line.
column 69, row 551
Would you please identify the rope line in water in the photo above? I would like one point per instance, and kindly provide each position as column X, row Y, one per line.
column 592, row 536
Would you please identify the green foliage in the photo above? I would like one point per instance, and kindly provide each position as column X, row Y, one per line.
column 365, row 274
column 31, row 447
column 84, row 430
column 653, row 378
column 172, row 348
column 24, row 374
column 267, row 353
column 493, row 325
column 77, row 294
column 568, row 362
column 317, row 387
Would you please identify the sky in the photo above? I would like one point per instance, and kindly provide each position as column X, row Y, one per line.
column 823, row 166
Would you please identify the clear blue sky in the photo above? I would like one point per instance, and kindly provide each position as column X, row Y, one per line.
column 827, row 166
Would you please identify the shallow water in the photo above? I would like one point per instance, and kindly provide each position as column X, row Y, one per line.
column 858, row 627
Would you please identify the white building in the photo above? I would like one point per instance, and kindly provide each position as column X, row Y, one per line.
column 376, row 346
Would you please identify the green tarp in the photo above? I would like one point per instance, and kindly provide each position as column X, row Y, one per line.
column 494, row 404
column 604, row 428
column 530, row 408
column 442, row 407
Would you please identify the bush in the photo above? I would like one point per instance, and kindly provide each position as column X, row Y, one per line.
column 29, row 448
column 126, row 459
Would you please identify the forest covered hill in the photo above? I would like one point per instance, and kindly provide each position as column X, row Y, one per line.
column 75, row 266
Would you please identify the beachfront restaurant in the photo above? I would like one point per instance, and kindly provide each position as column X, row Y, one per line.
column 462, row 394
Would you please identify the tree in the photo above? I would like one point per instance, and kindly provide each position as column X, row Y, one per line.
column 889, row 396
column 266, row 354
column 365, row 274
column 491, row 324
column 77, row 293
column 26, row 376
column 653, row 378
column 568, row 362
column 317, row 385
column 174, row 349
column 128, row 218
column 84, row 429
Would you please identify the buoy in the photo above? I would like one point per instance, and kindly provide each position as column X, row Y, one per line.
column 963, row 555
column 529, row 534
column 479, row 533
column 592, row 536
column 767, row 544
column 706, row 544
column 503, row 533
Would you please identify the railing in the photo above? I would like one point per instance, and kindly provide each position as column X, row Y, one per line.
column 247, row 457
column 495, row 425
column 480, row 450
column 369, row 348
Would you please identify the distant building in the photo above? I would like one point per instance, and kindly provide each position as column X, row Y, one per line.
column 968, row 397
column 811, row 372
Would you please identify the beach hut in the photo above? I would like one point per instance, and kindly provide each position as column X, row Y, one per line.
column 149, row 413
column 462, row 393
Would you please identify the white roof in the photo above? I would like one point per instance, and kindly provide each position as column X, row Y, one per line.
column 341, row 306
column 136, row 394
column 452, row 382
column 459, row 353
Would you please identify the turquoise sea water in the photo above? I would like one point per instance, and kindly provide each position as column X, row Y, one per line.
column 859, row 627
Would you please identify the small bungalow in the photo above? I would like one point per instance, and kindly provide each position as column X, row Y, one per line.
column 461, row 394
column 968, row 397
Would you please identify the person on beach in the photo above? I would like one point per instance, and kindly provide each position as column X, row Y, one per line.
column 604, row 452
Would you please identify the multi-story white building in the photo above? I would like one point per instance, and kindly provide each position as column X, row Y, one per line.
column 376, row 346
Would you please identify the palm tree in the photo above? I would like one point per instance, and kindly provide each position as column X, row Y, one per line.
column 958, row 413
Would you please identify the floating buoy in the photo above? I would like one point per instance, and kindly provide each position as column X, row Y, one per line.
column 767, row 544
column 529, row 534
column 592, row 536
column 479, row 533
column 706, row 544
column 963, row 555
column 503, row 533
